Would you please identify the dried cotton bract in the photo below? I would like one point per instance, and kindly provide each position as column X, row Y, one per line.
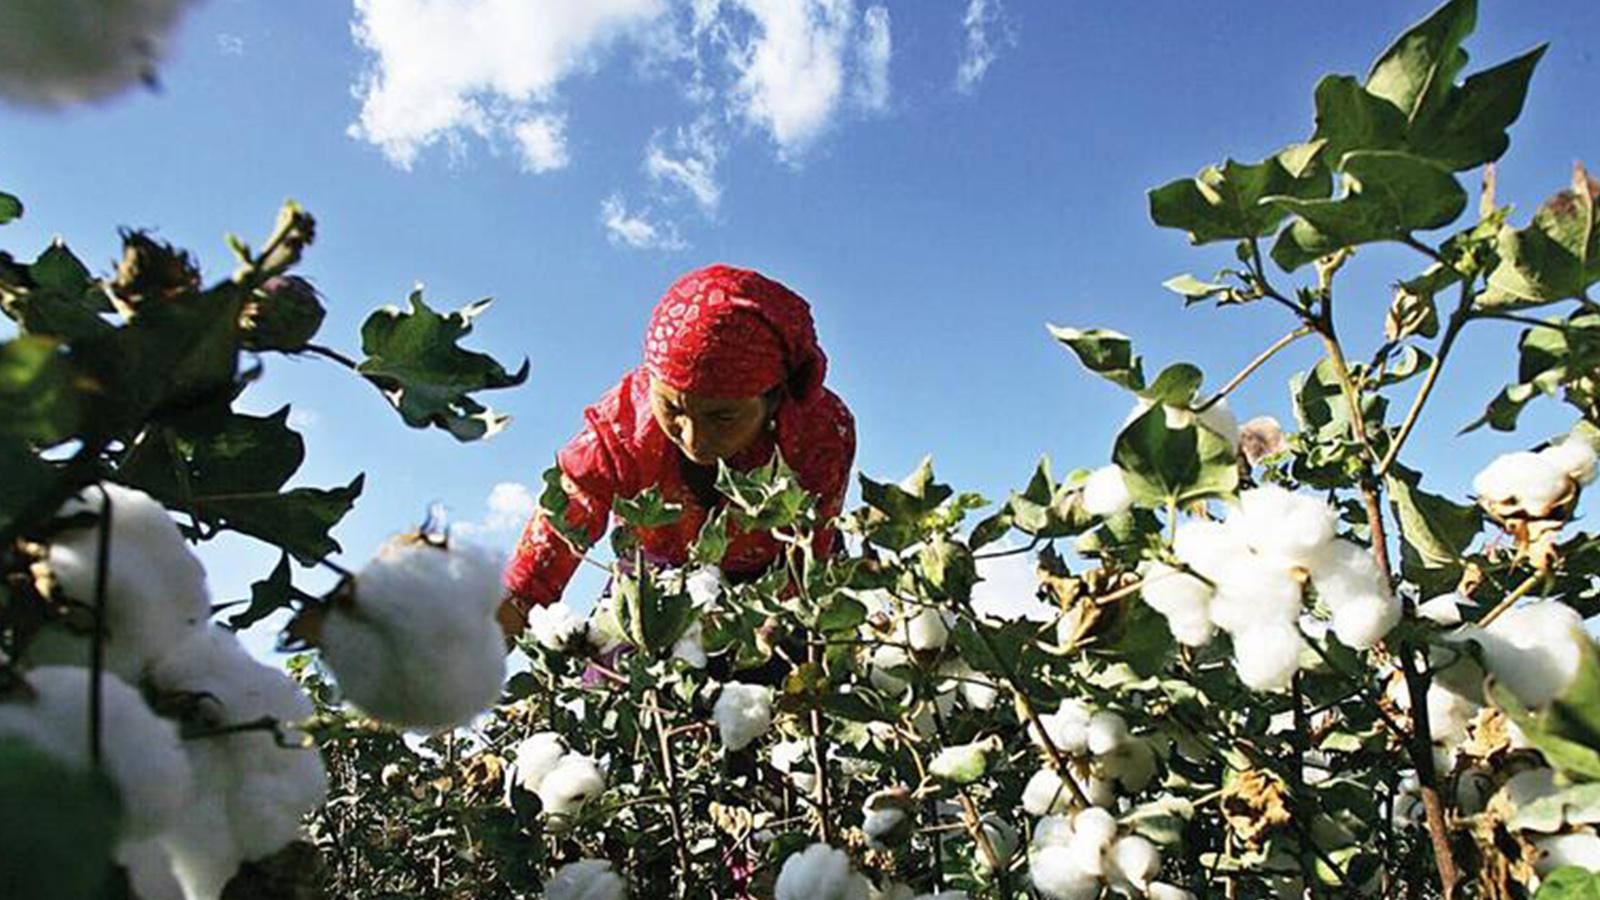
column 820, row 872
column 418, row 644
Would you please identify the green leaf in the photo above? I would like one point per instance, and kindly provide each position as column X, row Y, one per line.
column 1009, row 640
column 897, row 511
column 1193, row 289
column 648, row 509
column 1175, row 386
column 1165, row 465
column 1144, row 641
column 1418, row 70
column 58, row 825
column 1390, row 195
column 1225, row 203
column 842, row 613
column 948, row 567
column 298, row 521
column 852, row 707
column 1470, row 127
column 414, row 359
column 1555, row 257
column 28, row 479
column 1106, row 353
column 554, row 505
column 1578, row 805
column 10, row 208
column 1439, row 530
column 1351, row 118
column 712, row 542
column 267, row 596
column 1550, row 359
column 59, row 269
column 1570, row 883
column 652, row 618
column 38, row 391
column 991, row 529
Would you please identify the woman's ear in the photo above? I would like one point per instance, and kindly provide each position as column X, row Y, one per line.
column 772, row 399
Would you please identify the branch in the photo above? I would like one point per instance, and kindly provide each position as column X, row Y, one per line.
column 1255, row 364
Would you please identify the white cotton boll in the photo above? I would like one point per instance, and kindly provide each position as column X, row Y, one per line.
column 820, row 872
column 204, row 853
column 1572, row 456
column 886, row 818
column 1281, row 523
column 1448, row 714
column 1362, row 622
column 1057, row 875
column 1106, row 492
column 1192, row 629
column 1522, row 481
column 587, row 879
column 963, row 763
column 1253, row 592
column 58, row 52
column 743, row 713
column 1209, row 547
column 793, row 759
column 1444, row 609
column 419, row 646
column 704, row 586
column 1133, row 861
column 1581, row 849
column 1094, row 827
column 555, row 627
column 1067, row 728
column 535, row 757
column 140, row 752
column 1131, row 765
column 1535, row 650
column 1267, row 656
column 149, row 868
column 927, row 630
column 1172, row 591
column 1529, row 785
column 1160, row 890
column 884, row 658
column 1221, row 420
column 1107, row 732
column 155, row 586
column 1046, row 795
column 1344, row 571
column 1052, row 831
column 690, row 646
column 568, row 786
column 977, row 690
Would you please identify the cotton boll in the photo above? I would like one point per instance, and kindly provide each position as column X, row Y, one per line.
column 1193, row 629
column 1267, row 656
column 588, row 879
column 1046, row 795
column 149, row 870
column 1052, row 831
column 1448, row 714
column 1581, row 849
column 1535, row 650
column 1094, row 828
column 419, row 645
column 886, row 818
column 1131, row 765
column 1252, row 593
column 1209, row 547
column 1572, row 456
column 155, row 587
column 1107, row 732
column 1444, row 609
column 1160, row 890
column 962, row 764
column 1344, row 571
column 927, row 630
column 743, row 713
column 1528, row 786
column 793, row 759
column 1522, row 482
column 1057, row 875
column 204, row 853
column 140, row 752
column 1281, row 523
column 536, row 756
column 1067, row 728
column 690, row 646
column 555, row 627
column 1171, row 591
column 704, row 586
column 1133, row 861
column 1362, row 622
column 884, row 658
column 54, row 52
column 977, row 690
column 568, row 786
column 1106, row 493
column 820, row 872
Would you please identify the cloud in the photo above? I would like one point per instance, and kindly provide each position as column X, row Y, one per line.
column 636, row 229
column 1009, row 587
column 874, row 50
column 690, row 165
column 791, row 70
column 446, row 69
column 543, row 140
column 981, row 47
column 510, row 504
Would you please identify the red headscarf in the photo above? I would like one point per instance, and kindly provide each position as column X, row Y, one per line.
column 726, row 332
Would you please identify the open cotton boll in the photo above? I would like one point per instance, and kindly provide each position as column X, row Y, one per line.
column 886, row 818
column 1448, row 714
column 963, row 763
column 1535, row 650
column 977, row 690
column 884, row 658
column 1444, row 609
column 1057, row 875
column 1132, row 861
column 690, row 646
column 1344, row 571
column 140, row 752
column 1253, row 592
column 535, row 757
column 743, row 713
column 1267, row 656
column 202, row 847
column 419, row 645
column 1107, row 731
column 1192, row 629
column 1106, row 492
column 586, row 879
column 927, row 630
column 555, row 627
column 1093, row 830
column 704, row 586
column 572, row 782
column 820, row 872
column 1160, row 890
column 1581, row 849
column 1528, row 786
column 54, row 53
column 1067, row 728
column 1209, row 547
column 149, row 868
column 1363, row 621
column 1523, row 481
column 1131, row 765
column 1046, row 795
column 155, row 587
column 1574, row 457
column 1183, row 599
column 1281, row 523
column 793, row 759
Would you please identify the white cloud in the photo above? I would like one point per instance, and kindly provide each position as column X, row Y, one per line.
column 690, row 165
column 510, row 505
column 637, row 229
column 1009, row 586
column 230, row 44
column 982, row 46
column 543, row 140
column 791, row 72
column 446, row 68
column 872, row 88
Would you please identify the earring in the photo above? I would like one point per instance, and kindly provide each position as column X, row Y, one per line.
column 772, row 424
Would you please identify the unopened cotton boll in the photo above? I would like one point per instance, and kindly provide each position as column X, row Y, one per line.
column 1280, row 523
column 555, row 627
column 1046, row 795
column 568, row 786
column 1574, row 457
column 140, row 752
column 743, row 713
column 1105, row 493
column 1535, row 650
column 1522, row 482
column 927, row 630
column 1253, row 593
column 586, row 879
column 1362, row 622
column 820, row 872
column 536, row 756
column 155, row 586
column 1133, row 861
column 1267, row 656
column 419, row 645
column 1067, row 728
column 58, row 52
column 1581, row 849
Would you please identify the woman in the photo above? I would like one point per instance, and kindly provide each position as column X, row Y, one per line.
column 732, row 372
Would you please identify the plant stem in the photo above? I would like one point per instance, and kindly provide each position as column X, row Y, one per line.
column 819, row 759
column 670, row 777
column 1511, row 599
column 1458, row 319
column 330, row 353
column 1255, row 364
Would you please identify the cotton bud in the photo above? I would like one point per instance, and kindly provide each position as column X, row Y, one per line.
column 964, row 763
column 690, row 646
column 1209, row 547
column 1444, row 609
column 743, row 713
column 141, row 753
column 1574, row 456
column 1046, row 795
column 571, row 783
column 704, row 586
column 150, row 271
column 1253, row 593
column 588, row 879
column 1133, row 861
column 1581, row 849
column 886, row 657
column 536, row 757
column 1535, row 650
column 1267, row 656
column 1106, row 493
column 1281, row 523
column 418, row 644
column 820, row 872
column 284, row 315
column 1067, row 728
column 1522, row 483
column 1362, row 622
column 927, row 630
column 155, row 588
column 1002, row 838
column 555, row 627
column 886, row 818
column 54, row 54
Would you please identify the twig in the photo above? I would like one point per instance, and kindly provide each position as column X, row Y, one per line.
column 1511, row 599
column 1258, row 362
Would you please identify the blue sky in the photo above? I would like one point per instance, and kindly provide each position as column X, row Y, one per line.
column 570, row 159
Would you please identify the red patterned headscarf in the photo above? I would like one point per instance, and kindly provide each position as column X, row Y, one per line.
column 726, row 332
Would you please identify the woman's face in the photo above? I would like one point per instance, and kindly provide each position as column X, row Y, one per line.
column 704, row 428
